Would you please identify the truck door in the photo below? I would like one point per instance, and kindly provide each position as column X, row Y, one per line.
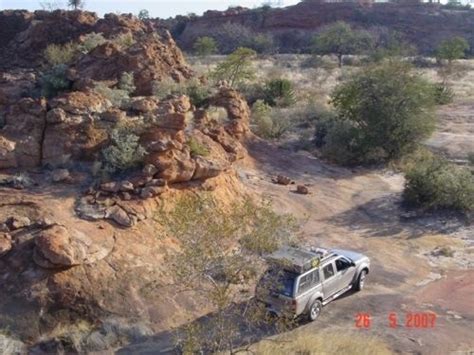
column 331, row 280
column 346, row 271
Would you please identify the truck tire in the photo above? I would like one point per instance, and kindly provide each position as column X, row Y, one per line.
column 315, row 310
column 361, row 280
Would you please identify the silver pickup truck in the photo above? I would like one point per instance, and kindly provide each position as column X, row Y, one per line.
column 300, row 282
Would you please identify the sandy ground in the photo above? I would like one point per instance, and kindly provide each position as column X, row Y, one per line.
column 361, row 210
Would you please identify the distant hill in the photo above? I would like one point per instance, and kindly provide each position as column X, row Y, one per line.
column 291, row 28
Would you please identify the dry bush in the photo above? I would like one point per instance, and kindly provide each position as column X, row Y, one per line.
column 60, row 54
column 219, row 258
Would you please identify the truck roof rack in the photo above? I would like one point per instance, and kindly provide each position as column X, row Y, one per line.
column 299, row 260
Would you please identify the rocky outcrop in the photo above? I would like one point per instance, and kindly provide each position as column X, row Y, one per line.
column 151, row 56
column 150, row 59
column 73, row 131
column 59, row 247
column 28, row 34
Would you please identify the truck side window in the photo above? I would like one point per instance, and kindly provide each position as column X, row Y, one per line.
column 315, row 274
column 308, row 281
column 342, row 264
column 328, row 271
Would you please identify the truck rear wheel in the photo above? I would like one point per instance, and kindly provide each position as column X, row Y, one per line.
column 315, row 310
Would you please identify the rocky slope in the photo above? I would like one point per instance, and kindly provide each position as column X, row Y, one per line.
column 422, row 24
column 64, row 271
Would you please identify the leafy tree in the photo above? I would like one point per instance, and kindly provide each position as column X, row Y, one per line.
column 144, row 14
column 340, row 39
column 237, row 68
column 219, row 257
column 205, row 46
column 452, row 49
column 76, row 4
column 386, row 111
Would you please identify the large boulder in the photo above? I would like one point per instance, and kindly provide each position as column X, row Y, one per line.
column 173, row 165
column 59, row 247
column 80, row 103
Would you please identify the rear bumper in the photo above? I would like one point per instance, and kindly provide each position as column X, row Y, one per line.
column 278, row 312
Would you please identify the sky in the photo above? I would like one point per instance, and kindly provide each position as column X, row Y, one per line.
column 157, row 8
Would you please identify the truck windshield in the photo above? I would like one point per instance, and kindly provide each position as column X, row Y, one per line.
column 280, row 281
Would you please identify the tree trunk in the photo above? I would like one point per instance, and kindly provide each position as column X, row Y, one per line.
column 339, row 58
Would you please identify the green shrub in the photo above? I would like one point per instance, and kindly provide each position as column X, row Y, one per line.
column 267, row 122
column 124, row 152
column 54, row 81
column 91, row 41
column 60, row 54
column 279, row 92
column 124, row 40
column 340, row 142
column 434, row 183
column 197, row 148
column 198, row 93
column 127, row 83
column 443, row 94
column 117, row 97
column 163, row 89
column 388, row 108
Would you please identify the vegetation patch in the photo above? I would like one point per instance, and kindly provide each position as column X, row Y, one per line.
column 433, row 183
column 383, row 112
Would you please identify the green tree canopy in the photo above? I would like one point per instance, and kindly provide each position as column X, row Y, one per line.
column 386, row 110
column 340, row 39
column 144, row 14
column 452, row 49
column 205, row 46
column 237, row 68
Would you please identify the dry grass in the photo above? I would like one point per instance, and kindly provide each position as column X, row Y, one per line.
column 323, row 343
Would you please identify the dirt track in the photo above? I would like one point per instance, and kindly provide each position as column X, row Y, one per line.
column 361, row 210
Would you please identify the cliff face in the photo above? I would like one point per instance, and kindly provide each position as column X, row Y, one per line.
column 422, row 24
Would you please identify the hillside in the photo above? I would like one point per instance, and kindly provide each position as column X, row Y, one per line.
column 424, row 24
